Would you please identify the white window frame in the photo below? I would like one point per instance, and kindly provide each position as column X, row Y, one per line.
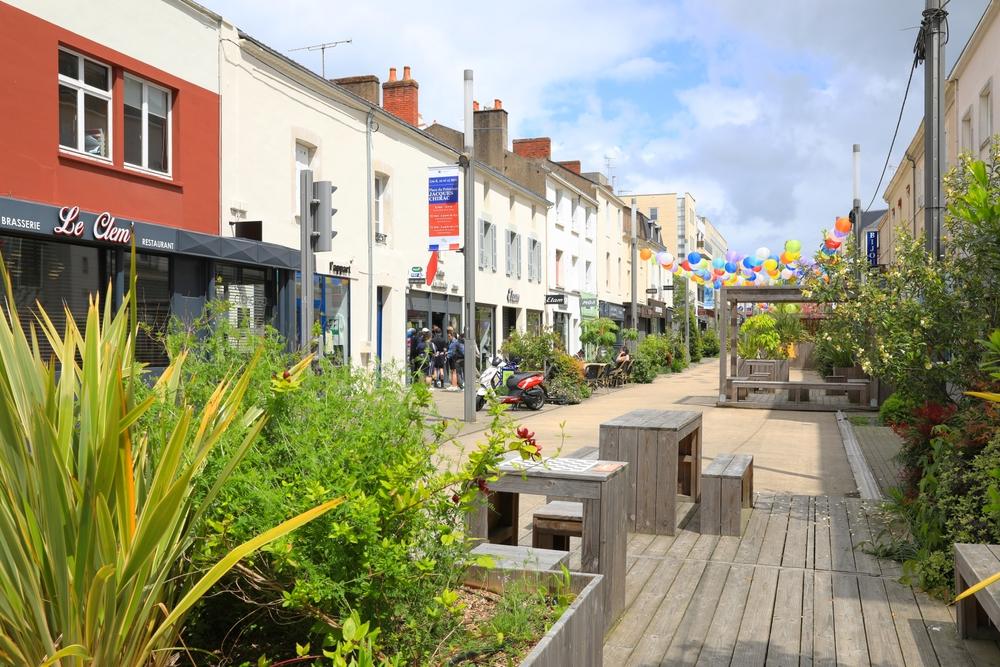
column 146, row 85
column 378, row 206
column 967, row 136
column 487, row 245
column 986, row 115
column 559, row 207
column 81, row 87
column 559, row 268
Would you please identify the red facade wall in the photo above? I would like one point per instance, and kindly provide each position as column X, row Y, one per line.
column 32, row 166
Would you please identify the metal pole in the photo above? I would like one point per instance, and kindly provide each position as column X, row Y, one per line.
column 635, row 267
column 306, row 259
column 934, row 125
column 471, row 350
column 857, row 195
column 370, row 171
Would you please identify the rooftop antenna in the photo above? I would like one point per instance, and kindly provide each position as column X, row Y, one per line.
column 322, row 49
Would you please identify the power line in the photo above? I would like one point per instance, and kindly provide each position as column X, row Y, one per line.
column 902, row 106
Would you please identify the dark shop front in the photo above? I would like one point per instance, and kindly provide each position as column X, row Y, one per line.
column 59, row 256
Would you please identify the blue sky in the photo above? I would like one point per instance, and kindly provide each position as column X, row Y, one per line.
column 751, row 107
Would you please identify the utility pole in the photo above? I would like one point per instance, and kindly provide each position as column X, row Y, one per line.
column 930, row 49
column 856, row 208
column 471, row 346
column 635, row 267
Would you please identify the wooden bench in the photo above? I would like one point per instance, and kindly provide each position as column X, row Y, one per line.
column 799, row 391
column 727, row 494
column 976, row 613
column 553, row 524
column 510, row 557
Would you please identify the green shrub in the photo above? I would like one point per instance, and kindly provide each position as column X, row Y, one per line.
column 602, row 333
column 897, row 409
column 710, row 342
column 677, row 365
column 566, row 383
column 643, row 369
column 536, row 350
column 384, row 555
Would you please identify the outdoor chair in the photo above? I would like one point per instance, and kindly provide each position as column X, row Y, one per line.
column 592, row 374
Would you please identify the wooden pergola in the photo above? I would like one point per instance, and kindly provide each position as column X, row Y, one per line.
column 729, row 299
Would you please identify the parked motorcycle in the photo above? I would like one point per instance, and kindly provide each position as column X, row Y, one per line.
column 511, row 386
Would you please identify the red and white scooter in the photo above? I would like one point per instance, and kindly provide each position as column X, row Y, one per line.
column 502, row 379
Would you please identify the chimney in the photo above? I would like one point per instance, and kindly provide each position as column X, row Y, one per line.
column 491, row 135
column 475, row 105
column 400, row 97
column 497, row 104
column 572, row 165
column 363, row 86
column 539, row 147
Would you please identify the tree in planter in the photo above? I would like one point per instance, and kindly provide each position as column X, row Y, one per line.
column 602, row 333
column 710, row 342
column 759, row 338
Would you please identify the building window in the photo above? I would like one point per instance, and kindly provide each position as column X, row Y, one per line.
column 985, row 118
column 573, row 217
column 534, row 260
column 588, row 277
column 574, row 273
column 378, row 207
column 153, row 307
column 513, row 254
column 590, row 221
column 487, row 245
column 966, row 135
column 559, row 268
column 653, row 213
column 84, row 105
column 303, row 160
column 559, row 213
column 250, row 294
column 607, row 270
column 147, row 125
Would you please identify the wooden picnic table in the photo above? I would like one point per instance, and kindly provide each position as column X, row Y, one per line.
column 599, row 485
column 663, row 448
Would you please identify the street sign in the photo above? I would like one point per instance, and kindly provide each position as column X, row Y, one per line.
column 872, row 247
column 651, row 290
column 417, row 275
column 443, row 209
column 555, row 299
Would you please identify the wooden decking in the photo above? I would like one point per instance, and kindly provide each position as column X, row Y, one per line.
column 880, row 446
column 793, row 590
column 779, row 401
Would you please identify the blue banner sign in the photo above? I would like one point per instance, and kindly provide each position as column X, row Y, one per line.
column 872, row 247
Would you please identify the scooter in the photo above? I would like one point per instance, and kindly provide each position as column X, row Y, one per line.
column 503, row 379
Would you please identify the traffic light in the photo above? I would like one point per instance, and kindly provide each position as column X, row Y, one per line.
column 323, row 212
column 852, row 216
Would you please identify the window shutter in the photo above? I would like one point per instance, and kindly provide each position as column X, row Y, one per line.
column 482, row 243
column 517, row 241
column 510, row 253
column 493, row 247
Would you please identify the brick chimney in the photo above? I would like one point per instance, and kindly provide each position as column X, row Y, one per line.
column 539, row 147
column 363, row 86
column 491, row 135
column 400, row 97
column 572, row 165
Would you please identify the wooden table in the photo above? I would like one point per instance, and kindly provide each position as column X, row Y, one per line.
column 663, row 448
column 599, row 485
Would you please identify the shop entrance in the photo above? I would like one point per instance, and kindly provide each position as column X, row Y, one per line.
column 509, row 321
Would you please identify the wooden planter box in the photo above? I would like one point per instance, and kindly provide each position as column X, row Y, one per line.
column 577, row 638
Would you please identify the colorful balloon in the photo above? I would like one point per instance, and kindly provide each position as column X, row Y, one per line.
column 793, row 246
column 645, row 254
column 718, row 263
column 694, row 258
column 843, row 225
column 763, row 253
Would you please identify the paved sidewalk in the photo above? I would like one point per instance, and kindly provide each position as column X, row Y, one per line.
column 794, row 452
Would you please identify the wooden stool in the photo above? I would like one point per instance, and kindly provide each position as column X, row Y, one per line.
column 978, row 615
column 727, row 494
column 553, row 524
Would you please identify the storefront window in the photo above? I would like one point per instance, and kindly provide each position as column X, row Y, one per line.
column 485, row 333
column 59, row 276
column 249, row 293
column 332, row 313
column 534, row 321
column 153, row 307
column 560, row 324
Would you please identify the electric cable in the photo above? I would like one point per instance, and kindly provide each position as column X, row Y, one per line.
column 902, row 106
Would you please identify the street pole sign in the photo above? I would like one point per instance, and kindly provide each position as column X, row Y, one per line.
column 442, row 209
column 651, row 290
column 871, row 239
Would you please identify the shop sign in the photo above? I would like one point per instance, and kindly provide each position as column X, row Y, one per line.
column 555, row 299
column 614, row 311
column 871, row 239
column 103, row 229
column 709, row 299
column 417, row 275
column 512, row 296
column 442, row 209
column 340, row 270
column 588, row 306
column 651, row 290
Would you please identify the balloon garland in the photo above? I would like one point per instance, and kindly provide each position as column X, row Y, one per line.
column 763, row 267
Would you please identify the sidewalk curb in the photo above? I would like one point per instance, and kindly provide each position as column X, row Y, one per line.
column 863, row 476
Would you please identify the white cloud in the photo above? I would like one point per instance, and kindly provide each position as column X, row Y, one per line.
column 638, row 69
column 714, row 106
